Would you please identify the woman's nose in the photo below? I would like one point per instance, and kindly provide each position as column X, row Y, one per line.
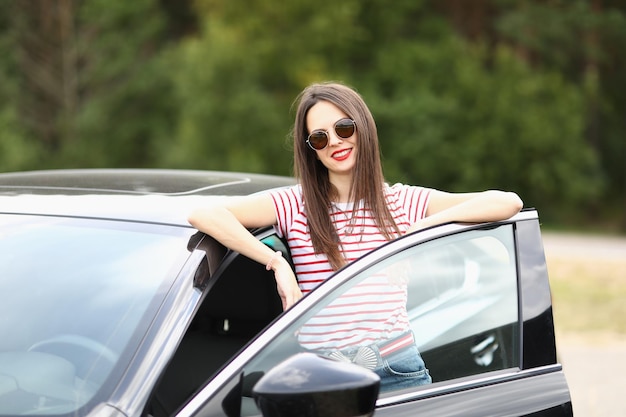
column 334, row 139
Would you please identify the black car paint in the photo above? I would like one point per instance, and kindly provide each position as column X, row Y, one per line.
column 538, row 345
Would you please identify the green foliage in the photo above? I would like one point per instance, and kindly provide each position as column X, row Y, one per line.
column 17, row 151
column 457, row 125
column 581, row 40
column 227, row 118
column 564, row 34
column 127, row 109
column 532, row 102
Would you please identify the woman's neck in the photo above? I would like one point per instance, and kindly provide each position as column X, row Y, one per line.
column 342, row 185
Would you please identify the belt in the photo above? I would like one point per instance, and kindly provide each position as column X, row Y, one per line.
column 369, row 356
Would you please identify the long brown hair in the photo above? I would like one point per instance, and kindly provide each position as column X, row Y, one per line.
column 367, row 181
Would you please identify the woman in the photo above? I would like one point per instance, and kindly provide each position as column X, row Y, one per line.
column 341, row 209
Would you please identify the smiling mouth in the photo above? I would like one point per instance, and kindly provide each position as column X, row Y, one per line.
column 341, row 155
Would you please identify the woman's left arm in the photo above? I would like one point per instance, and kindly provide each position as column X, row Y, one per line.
column 479, row 207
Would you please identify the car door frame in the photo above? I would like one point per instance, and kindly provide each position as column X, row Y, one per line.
column 537, row 384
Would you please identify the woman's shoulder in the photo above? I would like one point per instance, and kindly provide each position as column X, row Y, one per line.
column 295, row 190
column 407, row 193
column 401, row 187
column 289, row 195
column 413, row 199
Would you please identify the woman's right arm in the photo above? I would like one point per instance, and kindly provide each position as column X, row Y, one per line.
column 228, row 223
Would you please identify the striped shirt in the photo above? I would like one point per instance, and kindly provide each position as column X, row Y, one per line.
column 371, row 311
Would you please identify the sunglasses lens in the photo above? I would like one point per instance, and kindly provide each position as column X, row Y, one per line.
column 318, row 139
column 344, row 128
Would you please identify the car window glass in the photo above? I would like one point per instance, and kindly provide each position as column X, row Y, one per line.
column 74, row 296
column 462, row 307
column 463, row 303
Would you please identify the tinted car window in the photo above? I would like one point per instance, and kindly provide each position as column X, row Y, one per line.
column 74, row 294
column 462, row 304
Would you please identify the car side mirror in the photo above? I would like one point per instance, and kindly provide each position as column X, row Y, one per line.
column 308, row 385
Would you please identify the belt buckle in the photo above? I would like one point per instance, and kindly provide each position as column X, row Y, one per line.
column 365, row 357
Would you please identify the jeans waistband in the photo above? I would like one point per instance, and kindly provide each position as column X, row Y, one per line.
column 371, row 356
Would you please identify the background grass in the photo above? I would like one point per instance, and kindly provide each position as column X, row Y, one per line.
column 589, row 295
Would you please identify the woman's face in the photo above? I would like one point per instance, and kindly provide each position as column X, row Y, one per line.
column 339, row 157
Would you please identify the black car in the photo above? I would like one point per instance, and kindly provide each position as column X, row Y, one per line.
column 112, row 305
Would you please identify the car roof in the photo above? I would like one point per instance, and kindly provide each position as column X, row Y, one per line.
column 146, row 195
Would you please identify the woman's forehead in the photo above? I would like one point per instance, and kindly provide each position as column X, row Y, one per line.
column 323, row 115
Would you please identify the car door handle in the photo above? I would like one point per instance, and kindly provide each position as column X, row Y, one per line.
column 483, row 351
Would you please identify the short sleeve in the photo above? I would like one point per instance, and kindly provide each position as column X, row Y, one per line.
column 413, row 199
column 287, row 204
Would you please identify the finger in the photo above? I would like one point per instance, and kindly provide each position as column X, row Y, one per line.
column 287, row 304
column 291, row 300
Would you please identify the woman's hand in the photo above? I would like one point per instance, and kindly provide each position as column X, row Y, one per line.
column 418, row 225
column 286, row 283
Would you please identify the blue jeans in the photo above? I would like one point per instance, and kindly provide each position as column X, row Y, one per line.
column 403, row 369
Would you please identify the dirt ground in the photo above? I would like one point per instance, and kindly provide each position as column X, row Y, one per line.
column 596, row 374
column 594, row 363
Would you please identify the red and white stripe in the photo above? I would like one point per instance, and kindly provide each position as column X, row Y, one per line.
column 375, row 309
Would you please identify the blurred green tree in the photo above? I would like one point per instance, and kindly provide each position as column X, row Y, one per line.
column 468, row 95
column 452, row 114
column 456, row 125
column 18, row 149
column 126, row 105
column 238, row 79
column 91, row 88
column 582, row 40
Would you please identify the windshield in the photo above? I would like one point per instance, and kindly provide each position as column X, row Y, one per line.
column 75, row 297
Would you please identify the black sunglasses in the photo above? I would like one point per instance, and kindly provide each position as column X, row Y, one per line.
column 318, row 139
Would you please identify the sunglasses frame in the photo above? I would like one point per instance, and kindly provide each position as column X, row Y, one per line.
column 308, row 139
